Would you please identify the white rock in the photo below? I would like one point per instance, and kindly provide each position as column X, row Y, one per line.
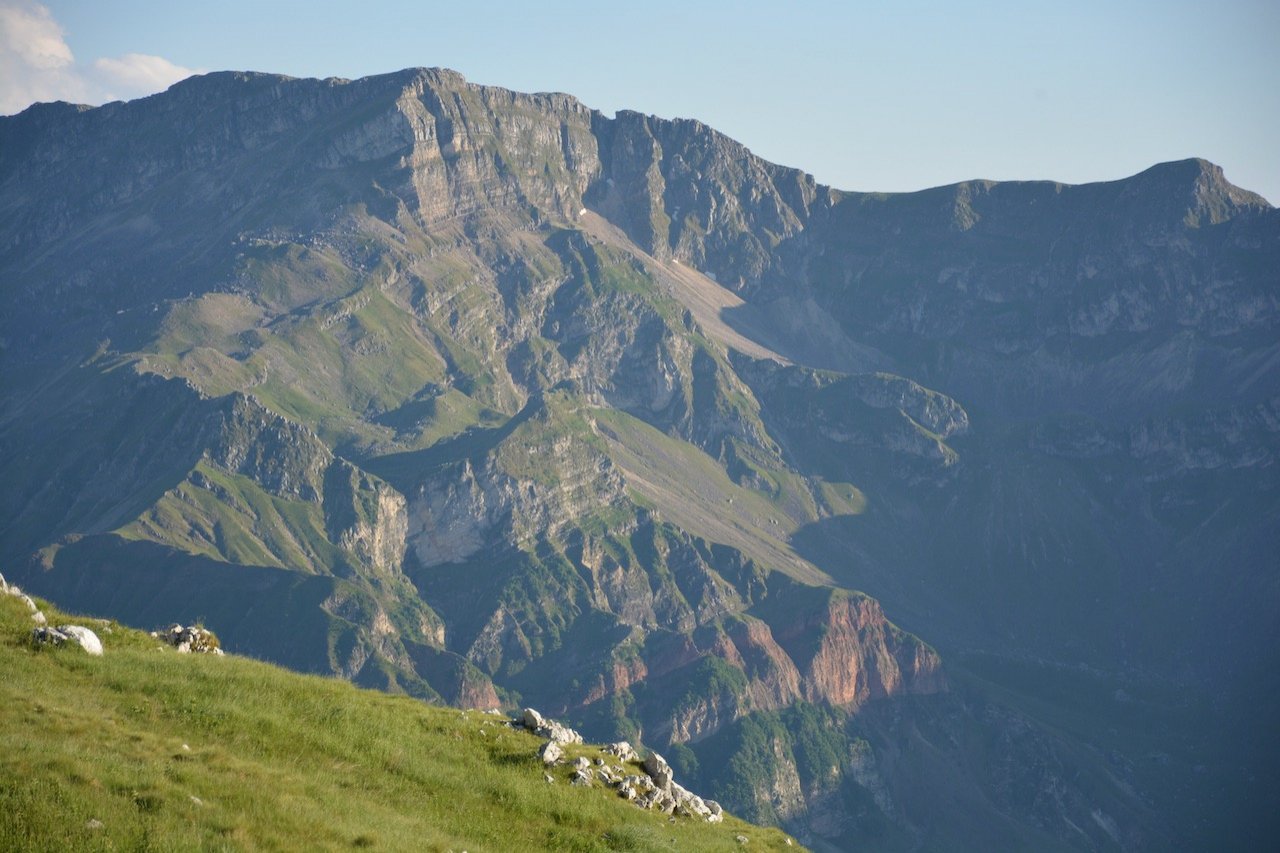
column 551, row 752
column 559, row 733
column 81, row 636
column 622, row 750
column 87, row 639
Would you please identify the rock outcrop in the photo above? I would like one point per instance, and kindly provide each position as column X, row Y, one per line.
column 656, row 789
column 191, row 639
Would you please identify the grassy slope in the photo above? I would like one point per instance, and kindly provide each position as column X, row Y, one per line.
column 172, row 751
column 693, row 491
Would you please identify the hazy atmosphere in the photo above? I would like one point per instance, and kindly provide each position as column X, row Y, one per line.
column 865, row 96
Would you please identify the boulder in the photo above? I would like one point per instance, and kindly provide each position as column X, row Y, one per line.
column 77, row 634
column 659, row 771
column 87, row 639
column 551, row 752
column 546, row 727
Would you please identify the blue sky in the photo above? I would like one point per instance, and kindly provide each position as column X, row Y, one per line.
column 864, row 95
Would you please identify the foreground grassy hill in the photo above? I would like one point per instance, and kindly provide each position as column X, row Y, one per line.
column 147, row 749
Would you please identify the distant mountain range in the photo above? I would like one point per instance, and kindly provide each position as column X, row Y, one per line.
column 490, row 398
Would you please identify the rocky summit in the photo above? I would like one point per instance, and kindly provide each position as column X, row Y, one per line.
column 903, row 521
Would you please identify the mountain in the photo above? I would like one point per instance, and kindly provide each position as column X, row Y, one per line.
column 490, row 398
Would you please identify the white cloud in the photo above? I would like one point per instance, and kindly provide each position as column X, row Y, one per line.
column 140, row 73
column 36, row 64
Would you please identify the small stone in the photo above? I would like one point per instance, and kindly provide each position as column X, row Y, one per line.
column 741, row 839
column 93, row 823
column 581, row 763
column 548, row 777
column 186, row 748
column 531, row 719
column 197, row 800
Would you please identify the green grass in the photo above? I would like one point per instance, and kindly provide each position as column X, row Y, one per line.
column 179, row 752
column 233, row 518
column 695, row 493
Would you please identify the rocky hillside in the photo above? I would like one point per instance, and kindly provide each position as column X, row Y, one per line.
column 493, row 399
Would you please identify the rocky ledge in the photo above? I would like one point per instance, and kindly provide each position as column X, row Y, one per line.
column 655, row 788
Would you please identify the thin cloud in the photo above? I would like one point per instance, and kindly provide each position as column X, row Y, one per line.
column 36, row 64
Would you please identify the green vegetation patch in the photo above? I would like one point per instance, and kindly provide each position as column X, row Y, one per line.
column 145, row 748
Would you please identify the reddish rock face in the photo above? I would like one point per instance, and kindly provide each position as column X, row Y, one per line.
column 477, row 693
column 848, row 653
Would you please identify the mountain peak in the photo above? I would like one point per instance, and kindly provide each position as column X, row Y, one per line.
column 1203, row 186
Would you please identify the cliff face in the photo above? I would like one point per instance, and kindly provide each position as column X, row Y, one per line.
column 486, row 396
